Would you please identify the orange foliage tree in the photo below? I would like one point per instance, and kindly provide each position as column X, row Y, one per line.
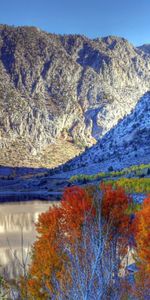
column 115, row 204
column 142, row 238
column 56, row 228
column 62, row 229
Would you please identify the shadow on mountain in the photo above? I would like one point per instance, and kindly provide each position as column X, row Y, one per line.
column 125, row 144
column 26, row 184
column 9, row 172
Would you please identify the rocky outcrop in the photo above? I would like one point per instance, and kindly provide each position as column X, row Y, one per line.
column 69, row 87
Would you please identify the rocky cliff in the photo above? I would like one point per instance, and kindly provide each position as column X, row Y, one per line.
column 67, row 88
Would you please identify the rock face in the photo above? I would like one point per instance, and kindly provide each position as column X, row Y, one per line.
column 128, row 143
column 68, row 87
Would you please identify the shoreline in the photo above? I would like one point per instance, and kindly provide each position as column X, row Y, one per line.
column 11, row 196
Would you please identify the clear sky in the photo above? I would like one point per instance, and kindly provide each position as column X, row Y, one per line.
column 94, row 18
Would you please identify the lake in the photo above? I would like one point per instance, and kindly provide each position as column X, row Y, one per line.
column 17, row 233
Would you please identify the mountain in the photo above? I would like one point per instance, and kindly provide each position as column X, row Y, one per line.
column 145, row 48
column 126, row 144
column 59, row 94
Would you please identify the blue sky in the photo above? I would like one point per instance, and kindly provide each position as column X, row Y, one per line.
column 94, row 18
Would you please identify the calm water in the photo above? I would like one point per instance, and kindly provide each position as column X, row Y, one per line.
column 17, row 233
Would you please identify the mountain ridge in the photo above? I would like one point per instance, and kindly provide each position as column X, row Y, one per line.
column 69, row 87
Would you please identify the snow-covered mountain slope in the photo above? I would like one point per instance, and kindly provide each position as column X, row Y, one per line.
column 128, row 143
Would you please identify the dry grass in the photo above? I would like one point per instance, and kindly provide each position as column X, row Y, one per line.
column 17, row 155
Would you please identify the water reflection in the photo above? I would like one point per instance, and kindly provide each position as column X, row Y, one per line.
column 17, row 233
